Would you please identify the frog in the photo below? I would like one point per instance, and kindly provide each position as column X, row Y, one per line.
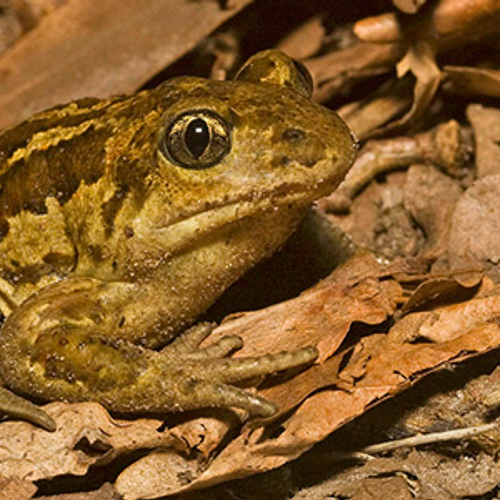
column 123, row 219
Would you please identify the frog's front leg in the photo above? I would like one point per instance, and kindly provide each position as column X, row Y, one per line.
column 63, row 343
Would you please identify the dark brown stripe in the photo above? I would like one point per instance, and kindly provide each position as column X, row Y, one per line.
column 18, row 136
column 55, row 172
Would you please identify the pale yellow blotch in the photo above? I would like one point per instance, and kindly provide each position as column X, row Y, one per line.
column 46, row 139
column 71, row 109
column 30, row 238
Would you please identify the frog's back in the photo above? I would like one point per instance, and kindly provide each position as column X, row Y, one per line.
column 43, row 161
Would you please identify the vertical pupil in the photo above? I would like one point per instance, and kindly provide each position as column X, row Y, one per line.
column 197, row 137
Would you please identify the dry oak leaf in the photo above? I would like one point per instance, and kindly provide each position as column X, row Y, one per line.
column 31, row 453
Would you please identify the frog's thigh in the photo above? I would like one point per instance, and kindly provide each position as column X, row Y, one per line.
column 57, row 345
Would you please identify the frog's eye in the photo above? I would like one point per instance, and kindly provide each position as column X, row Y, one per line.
column 196, row 139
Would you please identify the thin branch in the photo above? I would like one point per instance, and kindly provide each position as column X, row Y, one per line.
column 366, row 453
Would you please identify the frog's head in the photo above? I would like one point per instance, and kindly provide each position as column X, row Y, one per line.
column 257, row 137
column 248, row 147
column 232, row 168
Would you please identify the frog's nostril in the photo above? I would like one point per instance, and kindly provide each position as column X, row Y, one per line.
column 293, row 135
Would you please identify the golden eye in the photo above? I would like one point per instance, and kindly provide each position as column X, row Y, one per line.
column 196, row 139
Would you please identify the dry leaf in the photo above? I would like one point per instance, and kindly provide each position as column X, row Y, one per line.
column 336, row 72
column 384, row 28
column 86, row 48
column 432, row 475
column 463, row 406
column 380, row 366
column 367, row 116
column 15, row 488
column 439, row 291
column 473, row 81
column 106, row 492
column 420, row 61
column 304, row 41
column 31, row 453
column 409, row 6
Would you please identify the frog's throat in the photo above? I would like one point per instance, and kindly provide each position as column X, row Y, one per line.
column 286, row 208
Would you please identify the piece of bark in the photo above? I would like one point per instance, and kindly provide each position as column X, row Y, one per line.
column 486, row 125
column 99, row 48
column 474, row 242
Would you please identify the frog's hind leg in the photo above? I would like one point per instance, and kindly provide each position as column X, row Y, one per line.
column 64, row 343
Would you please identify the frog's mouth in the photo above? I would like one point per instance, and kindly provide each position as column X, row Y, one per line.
column 287, row 202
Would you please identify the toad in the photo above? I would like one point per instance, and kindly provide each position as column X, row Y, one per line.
column 121, row 220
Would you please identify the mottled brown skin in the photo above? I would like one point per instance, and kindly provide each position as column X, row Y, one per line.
column 109, row 247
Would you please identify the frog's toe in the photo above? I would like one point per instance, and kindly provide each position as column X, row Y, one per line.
column 189, row 340
column 228, row 370
column 220, row 349
column 15, row 406
column 203, row 394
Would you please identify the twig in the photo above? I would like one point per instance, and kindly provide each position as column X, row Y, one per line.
column 366, row 453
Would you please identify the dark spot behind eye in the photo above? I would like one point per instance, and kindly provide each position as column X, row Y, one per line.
column 293, row 135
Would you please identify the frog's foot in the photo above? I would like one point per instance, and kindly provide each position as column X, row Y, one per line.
column 18, row 407
column 209, row 374
column 206, row 381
